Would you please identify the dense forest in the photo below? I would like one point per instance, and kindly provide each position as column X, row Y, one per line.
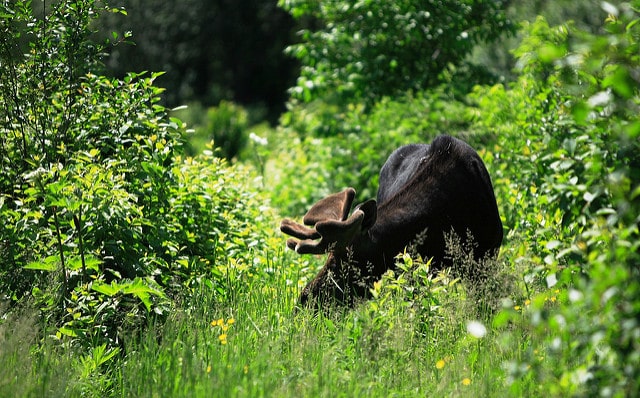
column 149, row 151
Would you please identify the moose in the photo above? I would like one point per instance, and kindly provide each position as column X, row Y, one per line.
column 425, row 192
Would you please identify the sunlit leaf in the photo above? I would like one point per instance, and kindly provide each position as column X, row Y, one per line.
column 621, row 82
column 48, row 264
column 106, row 289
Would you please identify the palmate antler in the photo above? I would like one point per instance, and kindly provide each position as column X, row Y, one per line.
column 331, row 229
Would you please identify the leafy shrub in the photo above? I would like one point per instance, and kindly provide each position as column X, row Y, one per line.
column 356, row 54
column 354, row 102
column 414, row 288
column 105, row 224
column 570, row 167
column 226, row 125
column 47, row 82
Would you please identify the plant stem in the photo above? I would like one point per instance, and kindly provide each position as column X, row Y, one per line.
column 76, row 221
column 61, row 248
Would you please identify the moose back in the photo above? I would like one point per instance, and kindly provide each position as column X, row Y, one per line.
column 425, row 192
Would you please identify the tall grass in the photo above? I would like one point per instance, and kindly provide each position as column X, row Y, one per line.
column 411, row 339
column 256, row 346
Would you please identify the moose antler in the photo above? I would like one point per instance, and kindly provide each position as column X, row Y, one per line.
column 330, row 224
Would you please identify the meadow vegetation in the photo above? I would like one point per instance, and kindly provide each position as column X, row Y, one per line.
column 133, row 263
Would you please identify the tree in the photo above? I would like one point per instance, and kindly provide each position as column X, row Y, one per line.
column 365, row 50
column 210, row 50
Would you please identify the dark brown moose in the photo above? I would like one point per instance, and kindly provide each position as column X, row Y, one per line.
column 425, row 193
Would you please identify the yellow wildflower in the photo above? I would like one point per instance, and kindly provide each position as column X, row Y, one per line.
column 466, row 381
column 440, row 364
column 209, row 369
column 223, row 338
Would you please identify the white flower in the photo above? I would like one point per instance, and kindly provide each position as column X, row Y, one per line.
column 601, row 98
column 575, row 295
column 476, row 329
column 609, row 8
column 551, row 280
column 257, row 139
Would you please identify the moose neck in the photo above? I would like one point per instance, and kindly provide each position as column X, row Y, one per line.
column 367, row 254
column 374, row 252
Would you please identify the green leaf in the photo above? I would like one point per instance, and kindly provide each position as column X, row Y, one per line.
column 328, row 323
column 68, row 332
column 101, row 354
column 620, row 81
column 90, row 262
column 636, row 193
column 49, row 264
column 138, row 289
column 502, row 319
column 551, row 52
column 106, row 289
column 633, row 130
column 580, row 112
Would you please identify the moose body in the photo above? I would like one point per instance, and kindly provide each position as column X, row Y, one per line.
column 425, row 192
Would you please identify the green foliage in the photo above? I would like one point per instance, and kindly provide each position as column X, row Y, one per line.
column 561, row 145
column 577, row 105
column 413, row 287
column 44, row 78
column 365, row 50
column 227, row 126
column 104, row 223
column 355, row 103
column 389, row 345
column 137, row 259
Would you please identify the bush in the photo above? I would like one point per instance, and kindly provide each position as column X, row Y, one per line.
column 105, row 224
column 567, row 160
column 227, row 126
column 561, row 146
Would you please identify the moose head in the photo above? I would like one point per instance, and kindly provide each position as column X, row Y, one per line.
column 425, row 192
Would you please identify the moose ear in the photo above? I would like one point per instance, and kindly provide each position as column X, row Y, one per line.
column 333, row 207
column 370, row 210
